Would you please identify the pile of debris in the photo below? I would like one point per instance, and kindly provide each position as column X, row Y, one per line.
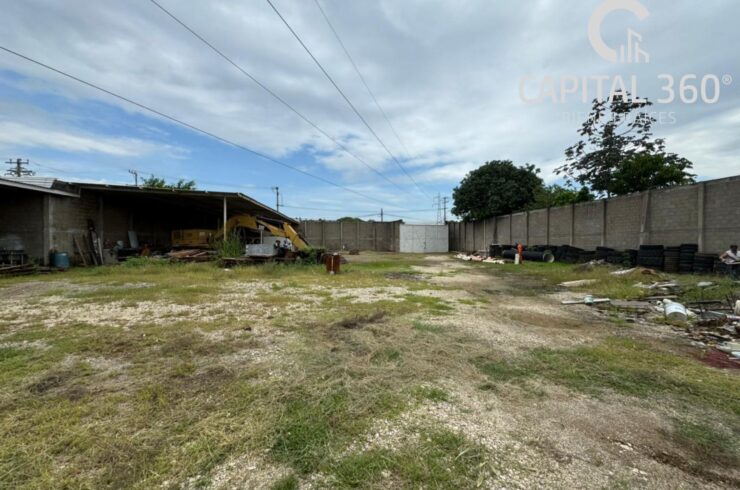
column 26, row 269
column 17, row 270
column 192, row 255
column 481, row 257
column 713, row 324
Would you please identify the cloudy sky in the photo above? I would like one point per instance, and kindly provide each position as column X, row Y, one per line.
column 450, row 75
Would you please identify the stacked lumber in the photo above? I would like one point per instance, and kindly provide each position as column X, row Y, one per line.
column 17, row 270
column 192, row 255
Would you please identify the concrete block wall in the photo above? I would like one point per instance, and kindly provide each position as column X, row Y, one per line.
column 588, row 220
column 347, row 235
column 672, row 214
column 503, row 229
column 721, row 205
column 706, row 213
column 622, row 229
column 560, row 225
column 537, row 227
column 68, row 218
column 519, row 228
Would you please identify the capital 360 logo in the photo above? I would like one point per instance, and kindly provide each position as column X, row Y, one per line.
column 689, row 88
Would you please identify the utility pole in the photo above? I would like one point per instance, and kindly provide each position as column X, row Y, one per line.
column 444, row 206
column 19, row 170
column 381, row 215
column 136, row 177
column 276, row 189
column 437, row 203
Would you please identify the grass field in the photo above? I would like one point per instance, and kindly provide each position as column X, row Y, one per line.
column 401, row 372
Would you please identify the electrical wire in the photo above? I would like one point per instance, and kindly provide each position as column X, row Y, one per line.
column 355, row 210
column 362, row 79
column 157, row 174
column 351, row 105
column 187, row 125
column 272, row 93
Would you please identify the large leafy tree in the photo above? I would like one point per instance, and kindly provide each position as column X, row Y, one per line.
column 556, row 195
column 618, row 131
column 645, row 171
column 497, row 187
column 159, row 183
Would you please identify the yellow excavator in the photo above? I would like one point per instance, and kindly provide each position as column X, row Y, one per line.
column 256, row 228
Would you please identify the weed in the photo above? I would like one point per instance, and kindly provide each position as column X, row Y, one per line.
column 431, row 393
column 361, row 320
column 388, row 354
column 231, row 246
column 627, row 367
column 440, row 459
column 708, row 444
column 306, row 428
column 289, row 482
column 426, row 327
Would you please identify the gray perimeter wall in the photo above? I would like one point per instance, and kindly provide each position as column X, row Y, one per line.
column 707, row 213
column 349, row 235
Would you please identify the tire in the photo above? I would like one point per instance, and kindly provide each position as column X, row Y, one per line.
column 650, row 253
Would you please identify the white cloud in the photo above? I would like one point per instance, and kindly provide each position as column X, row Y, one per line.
column 446, row 74
column 13, row 135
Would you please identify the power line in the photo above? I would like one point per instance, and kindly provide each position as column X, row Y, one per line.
column 146, row 172
column 187, row 125
column 354, row 210
column 271, row 92
column 354, row 109
column 362, row 79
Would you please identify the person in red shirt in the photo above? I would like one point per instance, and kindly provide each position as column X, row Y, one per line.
column 520, row 251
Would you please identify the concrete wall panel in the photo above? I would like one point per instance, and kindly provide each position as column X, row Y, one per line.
column 560, row 223
column 538, row 227
column 424, row 239
column 623, row 222
column 673, row 216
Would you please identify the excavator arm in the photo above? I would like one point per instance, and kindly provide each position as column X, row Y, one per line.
column 200, row 238
column 286, row 231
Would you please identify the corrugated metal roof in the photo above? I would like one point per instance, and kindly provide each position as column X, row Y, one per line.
column 45, row 185
column 45, row 182
column 237, row 200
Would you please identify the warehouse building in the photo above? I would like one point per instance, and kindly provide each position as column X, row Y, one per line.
column 39, row 215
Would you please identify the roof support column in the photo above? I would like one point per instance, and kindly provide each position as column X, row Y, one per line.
column 226, row 212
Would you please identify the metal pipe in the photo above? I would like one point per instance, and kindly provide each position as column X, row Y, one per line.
column 529, row 255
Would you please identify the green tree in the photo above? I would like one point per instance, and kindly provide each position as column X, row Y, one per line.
column 616, row 131
column 644, row 171
column 556, row 195
column 159, row 183
column 497, row 187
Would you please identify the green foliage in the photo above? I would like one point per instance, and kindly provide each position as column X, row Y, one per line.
column 644, row 171
column 137, row 262
column 312, row 255
column 707, row 443
column 440, row 459
column 432, row 393
column 624, row 366
column 497, row 187
column 307, row 428
column 556, row 195
column 617, row 131
column 159, row 183
column 231, row 246
column 289, row 482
